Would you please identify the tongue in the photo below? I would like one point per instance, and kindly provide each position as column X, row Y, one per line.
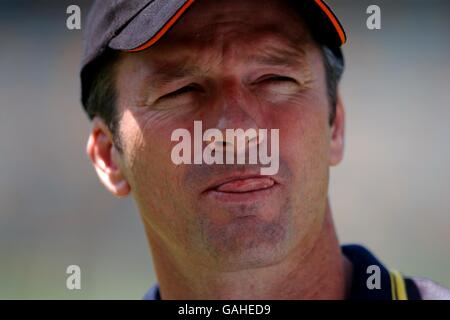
column 246, row 185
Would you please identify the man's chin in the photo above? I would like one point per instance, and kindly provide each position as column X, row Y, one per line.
column 246, row 242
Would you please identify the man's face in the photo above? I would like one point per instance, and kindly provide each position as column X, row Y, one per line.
column 230, row 64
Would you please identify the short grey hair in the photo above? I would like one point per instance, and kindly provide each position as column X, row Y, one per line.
column 334, row 68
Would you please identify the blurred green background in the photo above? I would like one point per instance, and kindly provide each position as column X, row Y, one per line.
column 391, row 193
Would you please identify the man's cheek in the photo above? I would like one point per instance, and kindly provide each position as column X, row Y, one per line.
column 158, row 176
column 303, row 145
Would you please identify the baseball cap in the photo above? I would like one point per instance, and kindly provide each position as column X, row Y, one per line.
column 136, row 25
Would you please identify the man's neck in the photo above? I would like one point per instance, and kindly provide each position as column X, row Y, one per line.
column 321, row 273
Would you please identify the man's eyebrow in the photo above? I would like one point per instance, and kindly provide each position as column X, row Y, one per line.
column 167, row 73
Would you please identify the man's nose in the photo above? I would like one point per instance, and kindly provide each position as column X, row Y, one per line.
column 236, row 110
column 235, row 107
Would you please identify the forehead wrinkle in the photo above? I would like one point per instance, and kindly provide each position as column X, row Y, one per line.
column 197, row 56
column 183, row 55
column 277, row 56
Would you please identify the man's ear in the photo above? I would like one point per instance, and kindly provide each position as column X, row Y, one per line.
column 337, row 142
column 105, row 159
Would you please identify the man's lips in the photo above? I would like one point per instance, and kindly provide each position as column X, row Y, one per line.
column 246, row 185
column 239, row 189
column 243, row 184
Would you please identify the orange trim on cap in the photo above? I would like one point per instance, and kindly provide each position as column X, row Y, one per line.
column 333, row 20
column 165, row 28
column 188, row 3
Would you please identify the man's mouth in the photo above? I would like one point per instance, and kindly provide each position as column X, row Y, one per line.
column 241, row 185
column 242, row 188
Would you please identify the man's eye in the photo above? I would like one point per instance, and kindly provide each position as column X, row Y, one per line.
column 277, row 79
column 181, row 91
column 276, row 85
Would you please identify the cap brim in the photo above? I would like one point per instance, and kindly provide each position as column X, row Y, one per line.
column 156, row 19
